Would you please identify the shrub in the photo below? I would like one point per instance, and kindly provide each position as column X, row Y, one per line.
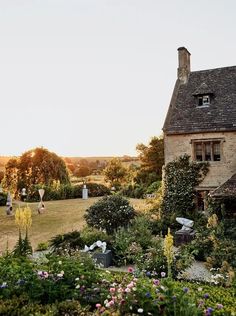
column 42, row 246
column 153, row 187
column 90, row 235
column 133, row 191
column 67, row 243
column 110, row 213
column 66, row 191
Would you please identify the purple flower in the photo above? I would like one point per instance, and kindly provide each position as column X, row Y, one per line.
column 209, row 311
column 148, row 294
column 174, row 298
column 185, row 289
column 206, row 295
column 163, row 274
column 156, row 282
column 219, row 306
column 148, row 273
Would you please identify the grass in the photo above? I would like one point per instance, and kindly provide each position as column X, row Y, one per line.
column 59, row 217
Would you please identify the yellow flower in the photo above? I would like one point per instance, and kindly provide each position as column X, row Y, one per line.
column 212, row 221
column 168, row 247
column 23, row 217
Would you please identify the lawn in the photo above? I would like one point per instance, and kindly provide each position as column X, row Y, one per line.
column 59, row 217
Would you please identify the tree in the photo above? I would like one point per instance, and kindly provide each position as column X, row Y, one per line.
column 152, row 161
column 115, row 172
column 36, row 166
column 9, row 181
column 1, row 175
column 82, row 171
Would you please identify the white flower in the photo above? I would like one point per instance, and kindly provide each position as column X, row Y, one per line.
column 140, row 310
column 77, row 279
column 59, row 262
column 77, row 286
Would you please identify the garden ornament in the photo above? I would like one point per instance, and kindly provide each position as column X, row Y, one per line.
column 9, row 204
column 187, row 223
column 99, row 244
column 41, row 206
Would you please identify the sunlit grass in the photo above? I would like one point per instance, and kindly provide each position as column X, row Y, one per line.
column 59, row 217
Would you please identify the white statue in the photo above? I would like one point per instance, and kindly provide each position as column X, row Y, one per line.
column 99, row 244
column 187, row 223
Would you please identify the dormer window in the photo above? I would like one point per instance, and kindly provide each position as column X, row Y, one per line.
column 204, row 100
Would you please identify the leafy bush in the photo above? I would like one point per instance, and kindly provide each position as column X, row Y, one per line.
column 56, row 279
column 153, row 187
column 42, row 246
column 67, row 243
column 136, row 191
column 90, row 235
column 110, row 213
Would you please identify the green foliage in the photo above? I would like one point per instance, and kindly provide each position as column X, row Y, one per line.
column 67, row 243
column 139, row 191
column 181, row 178
column 90, row 235
column 110, row 213
column 3, row 199
column 23, row 247
column 72, row 286
column 53, row 280
column 42, row 246
column 66, row 191
column 152, row 160
column 115, row 172
column 215, row 242
column 133, row 191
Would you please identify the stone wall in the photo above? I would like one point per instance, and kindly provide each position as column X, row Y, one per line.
column 220, row 171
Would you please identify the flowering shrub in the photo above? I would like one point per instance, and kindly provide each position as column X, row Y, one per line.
column 35, row 288
column 110, row 213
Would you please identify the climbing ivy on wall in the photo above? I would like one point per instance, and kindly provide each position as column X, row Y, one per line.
column 181, row 176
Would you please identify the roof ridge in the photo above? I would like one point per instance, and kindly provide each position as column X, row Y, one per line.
column 204, row 70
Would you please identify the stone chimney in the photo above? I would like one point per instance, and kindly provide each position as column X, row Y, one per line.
column 184, row 64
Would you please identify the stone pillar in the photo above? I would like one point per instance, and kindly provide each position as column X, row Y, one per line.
column 84, row 193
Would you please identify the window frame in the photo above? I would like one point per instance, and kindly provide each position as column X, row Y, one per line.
column 211, row 150
column 205, row 100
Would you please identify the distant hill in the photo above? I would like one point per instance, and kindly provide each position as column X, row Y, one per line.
column 127, row 160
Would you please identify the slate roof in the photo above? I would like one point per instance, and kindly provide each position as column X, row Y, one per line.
column 227, row 189
column 184, row 116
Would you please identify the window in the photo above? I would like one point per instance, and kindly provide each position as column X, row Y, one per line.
column 203, row 100
column 207, row 150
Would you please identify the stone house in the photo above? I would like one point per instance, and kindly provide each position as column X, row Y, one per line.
column 201, row 122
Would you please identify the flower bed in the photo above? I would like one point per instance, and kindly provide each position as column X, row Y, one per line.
column 35, row 288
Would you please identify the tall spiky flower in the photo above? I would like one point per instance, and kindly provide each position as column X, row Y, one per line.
column 23, row 220
column 168, row 250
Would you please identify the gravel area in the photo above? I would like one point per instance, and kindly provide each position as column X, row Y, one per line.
column 197, row 271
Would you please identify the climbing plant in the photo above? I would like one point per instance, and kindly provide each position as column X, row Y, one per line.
column 181, row 177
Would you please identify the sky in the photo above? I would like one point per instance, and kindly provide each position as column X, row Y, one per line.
column 95, row 77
